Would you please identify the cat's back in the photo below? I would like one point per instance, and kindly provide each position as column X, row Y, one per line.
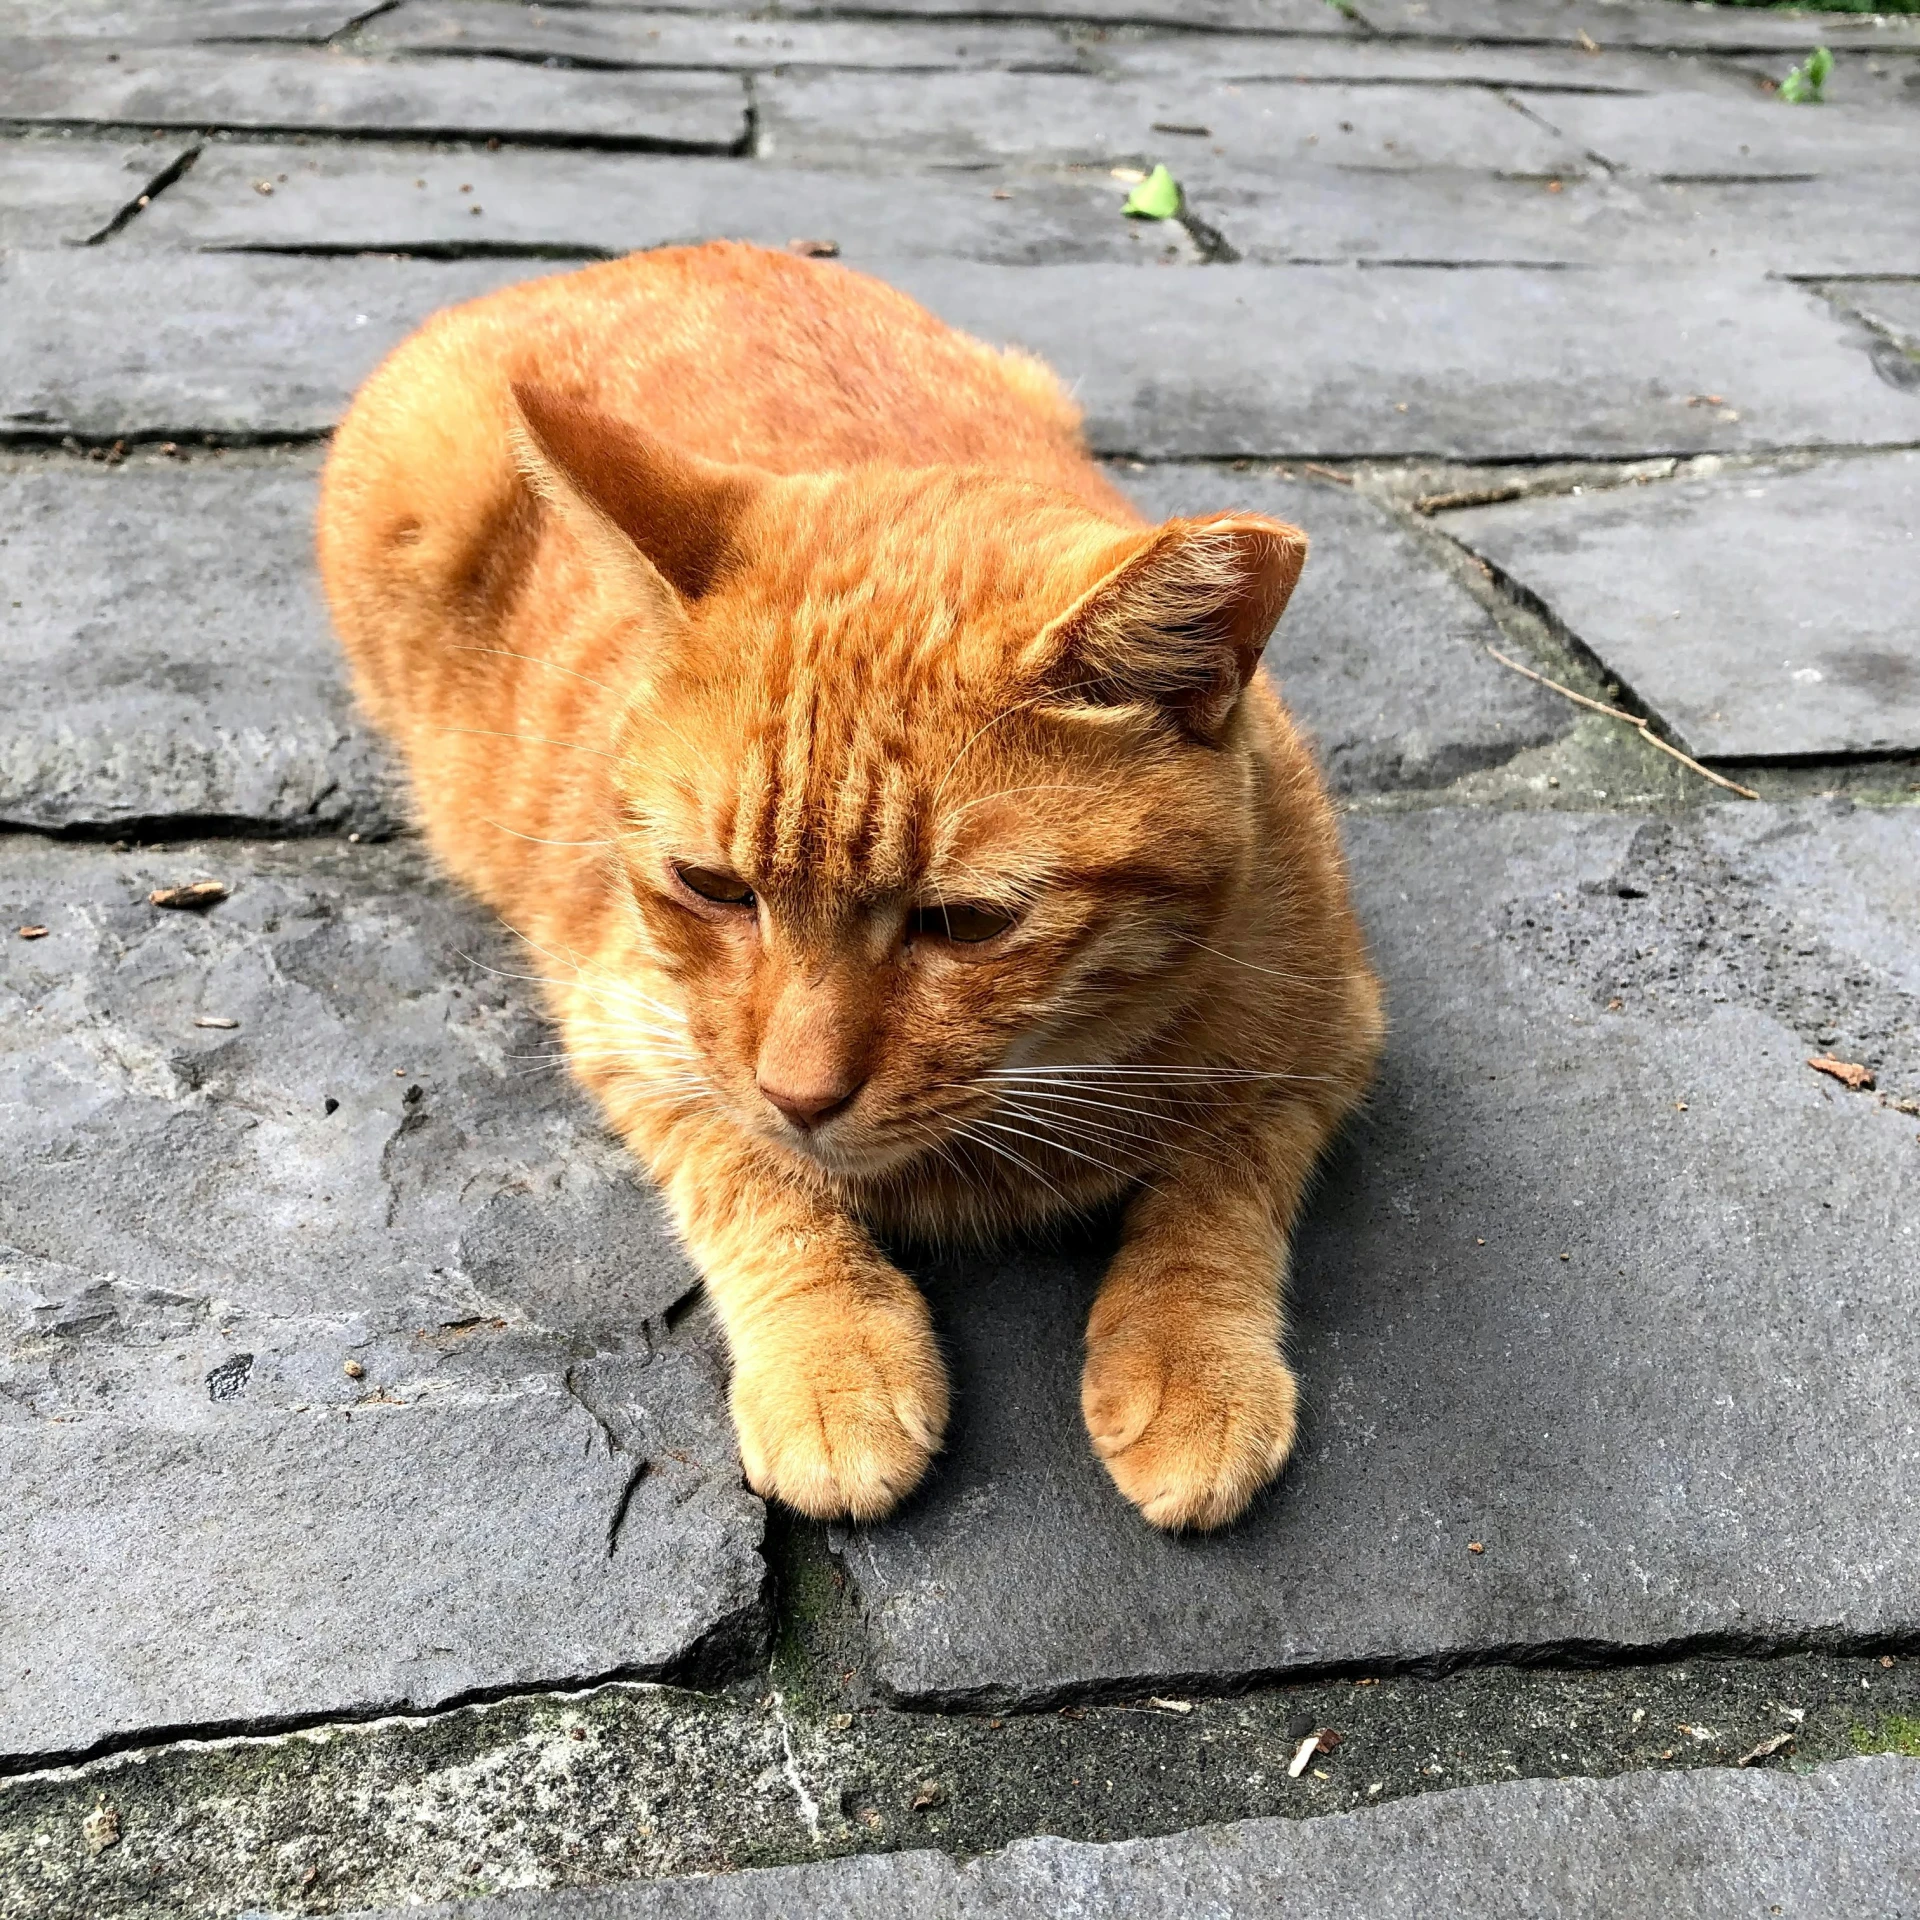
column 742, row 355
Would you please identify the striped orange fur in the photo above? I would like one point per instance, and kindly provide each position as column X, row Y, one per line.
column 905, row 836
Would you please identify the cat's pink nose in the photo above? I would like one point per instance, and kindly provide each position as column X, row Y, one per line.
column 810, row 1107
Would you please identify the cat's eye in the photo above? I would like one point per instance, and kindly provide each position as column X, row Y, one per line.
column 723, row 889
column 955, row 920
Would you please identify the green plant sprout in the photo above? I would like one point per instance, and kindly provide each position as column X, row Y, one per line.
column 1805, row 85
column 1157, row 197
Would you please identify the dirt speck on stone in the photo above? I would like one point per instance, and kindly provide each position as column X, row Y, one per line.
column 101, row 1828
column 196, row 896
column 1849, row 1073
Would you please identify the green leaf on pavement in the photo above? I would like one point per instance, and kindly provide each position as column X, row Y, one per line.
column 1157, row 197
column 1806, row 84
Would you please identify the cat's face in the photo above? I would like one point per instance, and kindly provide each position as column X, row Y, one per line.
column 936, row 777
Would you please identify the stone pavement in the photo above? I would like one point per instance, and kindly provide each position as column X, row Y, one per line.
column 374, row 1533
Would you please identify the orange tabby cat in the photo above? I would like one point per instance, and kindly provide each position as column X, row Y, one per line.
column 906, row 840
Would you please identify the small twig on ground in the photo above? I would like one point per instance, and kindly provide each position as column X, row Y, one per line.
column 1632, row 719
column 1467, row 497
column 1328, row 473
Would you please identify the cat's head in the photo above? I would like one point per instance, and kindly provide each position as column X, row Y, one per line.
column 927, row 778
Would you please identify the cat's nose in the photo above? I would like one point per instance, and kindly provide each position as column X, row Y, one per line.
column 810, row 1107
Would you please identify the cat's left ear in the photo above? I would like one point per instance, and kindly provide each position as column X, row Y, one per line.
column 661, row 520
column 1178, row 619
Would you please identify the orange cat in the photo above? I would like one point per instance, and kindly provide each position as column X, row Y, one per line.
column 897, row 820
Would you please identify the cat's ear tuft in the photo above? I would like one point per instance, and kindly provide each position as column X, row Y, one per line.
column 1178, row 619
column 651, row 515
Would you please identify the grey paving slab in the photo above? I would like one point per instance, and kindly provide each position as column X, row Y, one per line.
column 1330, row 361
column 1659, row 24
column 1244, row 58
column 683, row 39
column 1265, row 16
column 1607, row 1280
column 331, row 1368
column 1785, row 226
column 1242, row 361
column 1638, row 1847
column 321, row 90
column 396, row 198
column 968, row 118
column 1891, row 305
column 1382, row 653
column 1761, row 614
column 1707, row 136
column 65, row 192
column 186, row 671
column 151, row 20
column 103, row 342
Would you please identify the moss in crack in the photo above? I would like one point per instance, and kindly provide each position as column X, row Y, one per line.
column 819, row 1651
column 1895, row 1733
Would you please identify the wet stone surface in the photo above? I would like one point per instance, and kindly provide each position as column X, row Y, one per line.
column 335, row 1373
column 1714, row 600
column 187, row 673
column 1568, row 1292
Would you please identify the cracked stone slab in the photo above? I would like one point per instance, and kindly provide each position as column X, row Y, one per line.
column 322, row 90
column 1709, row 137
column 1608, row 23
column 1640, row 1846
column 103, row 342
column 1804, row 228
column 1312, row 17
column 334, row 1374
column 1381, row 655
column 1762, row 614
column 67, row 192
column 403, row 199
column 685, row 39
column 1238, row 362
column 1215, row 58
column 1494, row 364
column 150, row 20
column 185, row 673
column 1606, row 1280
column 965, row 119
column 1893, row 306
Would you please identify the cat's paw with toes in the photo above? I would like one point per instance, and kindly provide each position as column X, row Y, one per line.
column 1191, row 1421
column 839, row 1406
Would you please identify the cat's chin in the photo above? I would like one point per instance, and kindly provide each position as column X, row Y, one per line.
column 855, row 1161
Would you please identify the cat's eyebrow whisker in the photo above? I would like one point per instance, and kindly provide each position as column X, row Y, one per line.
column 534, row 660
column 966, row 746
column 526, row 740
column 500, row 826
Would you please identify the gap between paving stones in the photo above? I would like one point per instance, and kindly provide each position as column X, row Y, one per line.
column 629, row 1782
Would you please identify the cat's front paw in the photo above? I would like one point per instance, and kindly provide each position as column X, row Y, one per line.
column 1191, row 1415
column 839, row 1402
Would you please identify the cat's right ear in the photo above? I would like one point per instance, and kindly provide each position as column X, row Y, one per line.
column 659, row 521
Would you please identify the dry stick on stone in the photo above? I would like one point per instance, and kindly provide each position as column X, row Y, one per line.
column 1632, row 719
